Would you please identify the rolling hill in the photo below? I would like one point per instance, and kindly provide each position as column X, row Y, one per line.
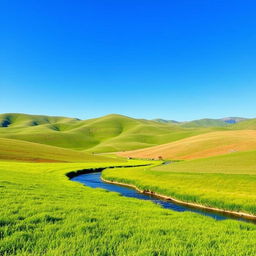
column 105, row 134
column 201, row 146
column 16, row 150
column 206, row 122
column 111, row 133
column 247, row 124
column 236, row 163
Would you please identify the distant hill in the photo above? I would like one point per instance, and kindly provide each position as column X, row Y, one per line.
column 159, row 120
column 105, row 134
column 14, row 120
column 246, row 124
column 233, row 120
column 109, row 133
column 206, row 122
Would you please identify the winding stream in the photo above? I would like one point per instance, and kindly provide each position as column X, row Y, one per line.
column 93, row 180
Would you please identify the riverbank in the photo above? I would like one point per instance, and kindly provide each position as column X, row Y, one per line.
column 223, row 192
column 194, row 205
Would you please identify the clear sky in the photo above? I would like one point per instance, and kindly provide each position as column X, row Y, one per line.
column 175, row 59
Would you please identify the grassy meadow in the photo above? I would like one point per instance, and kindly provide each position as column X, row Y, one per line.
column 17, row 150
column 43, row 213
column 226, row 181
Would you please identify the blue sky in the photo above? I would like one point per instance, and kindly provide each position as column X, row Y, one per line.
column 178, row 60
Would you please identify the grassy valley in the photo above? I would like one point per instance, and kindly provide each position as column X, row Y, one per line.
column 44, row 213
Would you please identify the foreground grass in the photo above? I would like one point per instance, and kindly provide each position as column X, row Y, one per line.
column 43, row 213
column 226, row 182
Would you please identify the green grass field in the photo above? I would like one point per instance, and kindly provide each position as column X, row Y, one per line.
column 43, row 213
column 226, row 182
column 17, row 150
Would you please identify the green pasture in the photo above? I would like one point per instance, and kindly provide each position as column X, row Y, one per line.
column 44, row 213
column 227, row 182
column 17, row 150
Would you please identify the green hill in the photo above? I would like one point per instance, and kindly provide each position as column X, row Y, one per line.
column 104, row 134
column 247, row 124
column 207, row 122
column 109, row 133
column 164, row 121
column 14, row 120
column 16, row 150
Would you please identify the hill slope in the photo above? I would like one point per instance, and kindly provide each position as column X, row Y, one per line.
column 205, row 123
column 236, row 163
column 109, row 133
column 105, row 134
column 27, row 151
column 200, row 146
column 14, row 120
column 247, row 124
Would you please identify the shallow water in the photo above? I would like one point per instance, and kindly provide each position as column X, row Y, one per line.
column 93, row 180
